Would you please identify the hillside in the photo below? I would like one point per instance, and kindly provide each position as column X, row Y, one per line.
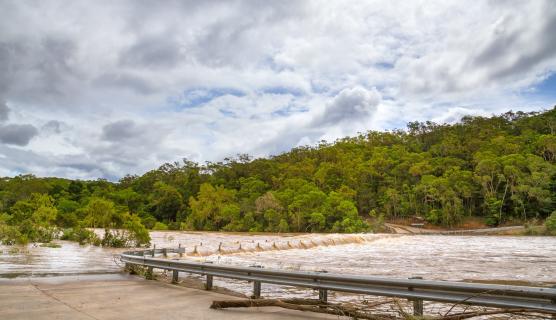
column 499, row 169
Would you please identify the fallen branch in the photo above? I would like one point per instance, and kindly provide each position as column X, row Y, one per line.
column 299, row 305
column 261, row 303
column 467, row 315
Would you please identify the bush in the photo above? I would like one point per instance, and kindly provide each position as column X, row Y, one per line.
column 10, row 235
column 550, row 224
column 81, row 235
column 138, row 234
column 115, row 238
column 67, row 220
column 174, row 225
column 148, row 221
column 492, row 221
column 433, row 216
column 160, row 226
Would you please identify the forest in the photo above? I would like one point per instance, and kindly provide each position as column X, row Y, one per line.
column 500, row 169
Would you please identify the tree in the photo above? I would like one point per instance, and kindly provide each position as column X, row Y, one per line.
column 101, row 213
column 166, row 201
column 213, row 209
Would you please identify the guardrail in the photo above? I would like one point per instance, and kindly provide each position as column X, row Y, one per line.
column 414, row 289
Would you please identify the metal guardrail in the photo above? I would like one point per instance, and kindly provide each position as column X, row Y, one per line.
column 416, row 290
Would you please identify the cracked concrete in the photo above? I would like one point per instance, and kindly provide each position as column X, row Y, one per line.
column 120, row 297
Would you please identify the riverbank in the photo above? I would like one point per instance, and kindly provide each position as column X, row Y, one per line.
column 405, row 229
column 121, row 296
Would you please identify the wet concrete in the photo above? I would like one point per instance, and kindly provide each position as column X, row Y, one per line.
column 120, row 297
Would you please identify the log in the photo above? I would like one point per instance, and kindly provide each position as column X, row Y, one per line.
column 315, row 305
column 467, row 315
column 261, row 303
column 299, row 305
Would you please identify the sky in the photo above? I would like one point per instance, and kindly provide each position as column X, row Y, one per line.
column 101, row 89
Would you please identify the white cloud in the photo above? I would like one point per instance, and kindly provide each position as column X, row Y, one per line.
column 351, row 105
column 120, row 87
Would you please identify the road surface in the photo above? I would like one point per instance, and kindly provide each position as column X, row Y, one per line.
column 121, row 297
column 403, row 229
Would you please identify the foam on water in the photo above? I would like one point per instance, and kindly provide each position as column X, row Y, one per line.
column 304, row 242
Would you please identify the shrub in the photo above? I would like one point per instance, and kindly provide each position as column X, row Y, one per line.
column 115, row 238
column 160, row 226
column 81, row 235
column 174, row 225
column 148, row 221
column 10, row 235
column 550, row 224
column 433, row 216
column 138, row 234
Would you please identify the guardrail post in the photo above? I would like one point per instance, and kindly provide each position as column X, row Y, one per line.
column 417, row 303
column 208, row 285
column 323, row 295
column 149, row 273
column 179, row 250
column 165, row 252
column 154, row 249
column 175, row 275
column 554, row 302
column 256, row 290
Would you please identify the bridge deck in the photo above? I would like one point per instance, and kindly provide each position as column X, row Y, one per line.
column 120, row 297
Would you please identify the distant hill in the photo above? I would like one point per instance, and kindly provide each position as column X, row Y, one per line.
column 499, row 168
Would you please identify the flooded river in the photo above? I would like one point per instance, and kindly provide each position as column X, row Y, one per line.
column 505, row 259
column 498, row 259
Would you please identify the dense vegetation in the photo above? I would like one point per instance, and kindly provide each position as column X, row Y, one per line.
column 500, row 168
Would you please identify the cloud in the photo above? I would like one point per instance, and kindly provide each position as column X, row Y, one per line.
column 136, row 83
column 52, row 127
column 152, row 52
column 120, row 130
column 17, row 134
column 4, row 111
column 128, row 85
column 354, row 104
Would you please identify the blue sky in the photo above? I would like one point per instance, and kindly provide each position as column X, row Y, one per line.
column 100, row 89
column 547, row 88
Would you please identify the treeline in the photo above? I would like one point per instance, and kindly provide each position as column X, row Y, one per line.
column 500, row 168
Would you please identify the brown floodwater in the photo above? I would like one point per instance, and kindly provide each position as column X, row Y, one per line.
column 504, row 259
column 494, row 259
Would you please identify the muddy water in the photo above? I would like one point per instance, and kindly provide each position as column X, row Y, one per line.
column 519, row 259
column 530, row 260
column 509, row 260
column 506, row 260
column 71, row 258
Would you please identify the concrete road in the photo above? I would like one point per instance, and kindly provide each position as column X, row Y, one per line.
column 121, row 297
column 403, row 229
